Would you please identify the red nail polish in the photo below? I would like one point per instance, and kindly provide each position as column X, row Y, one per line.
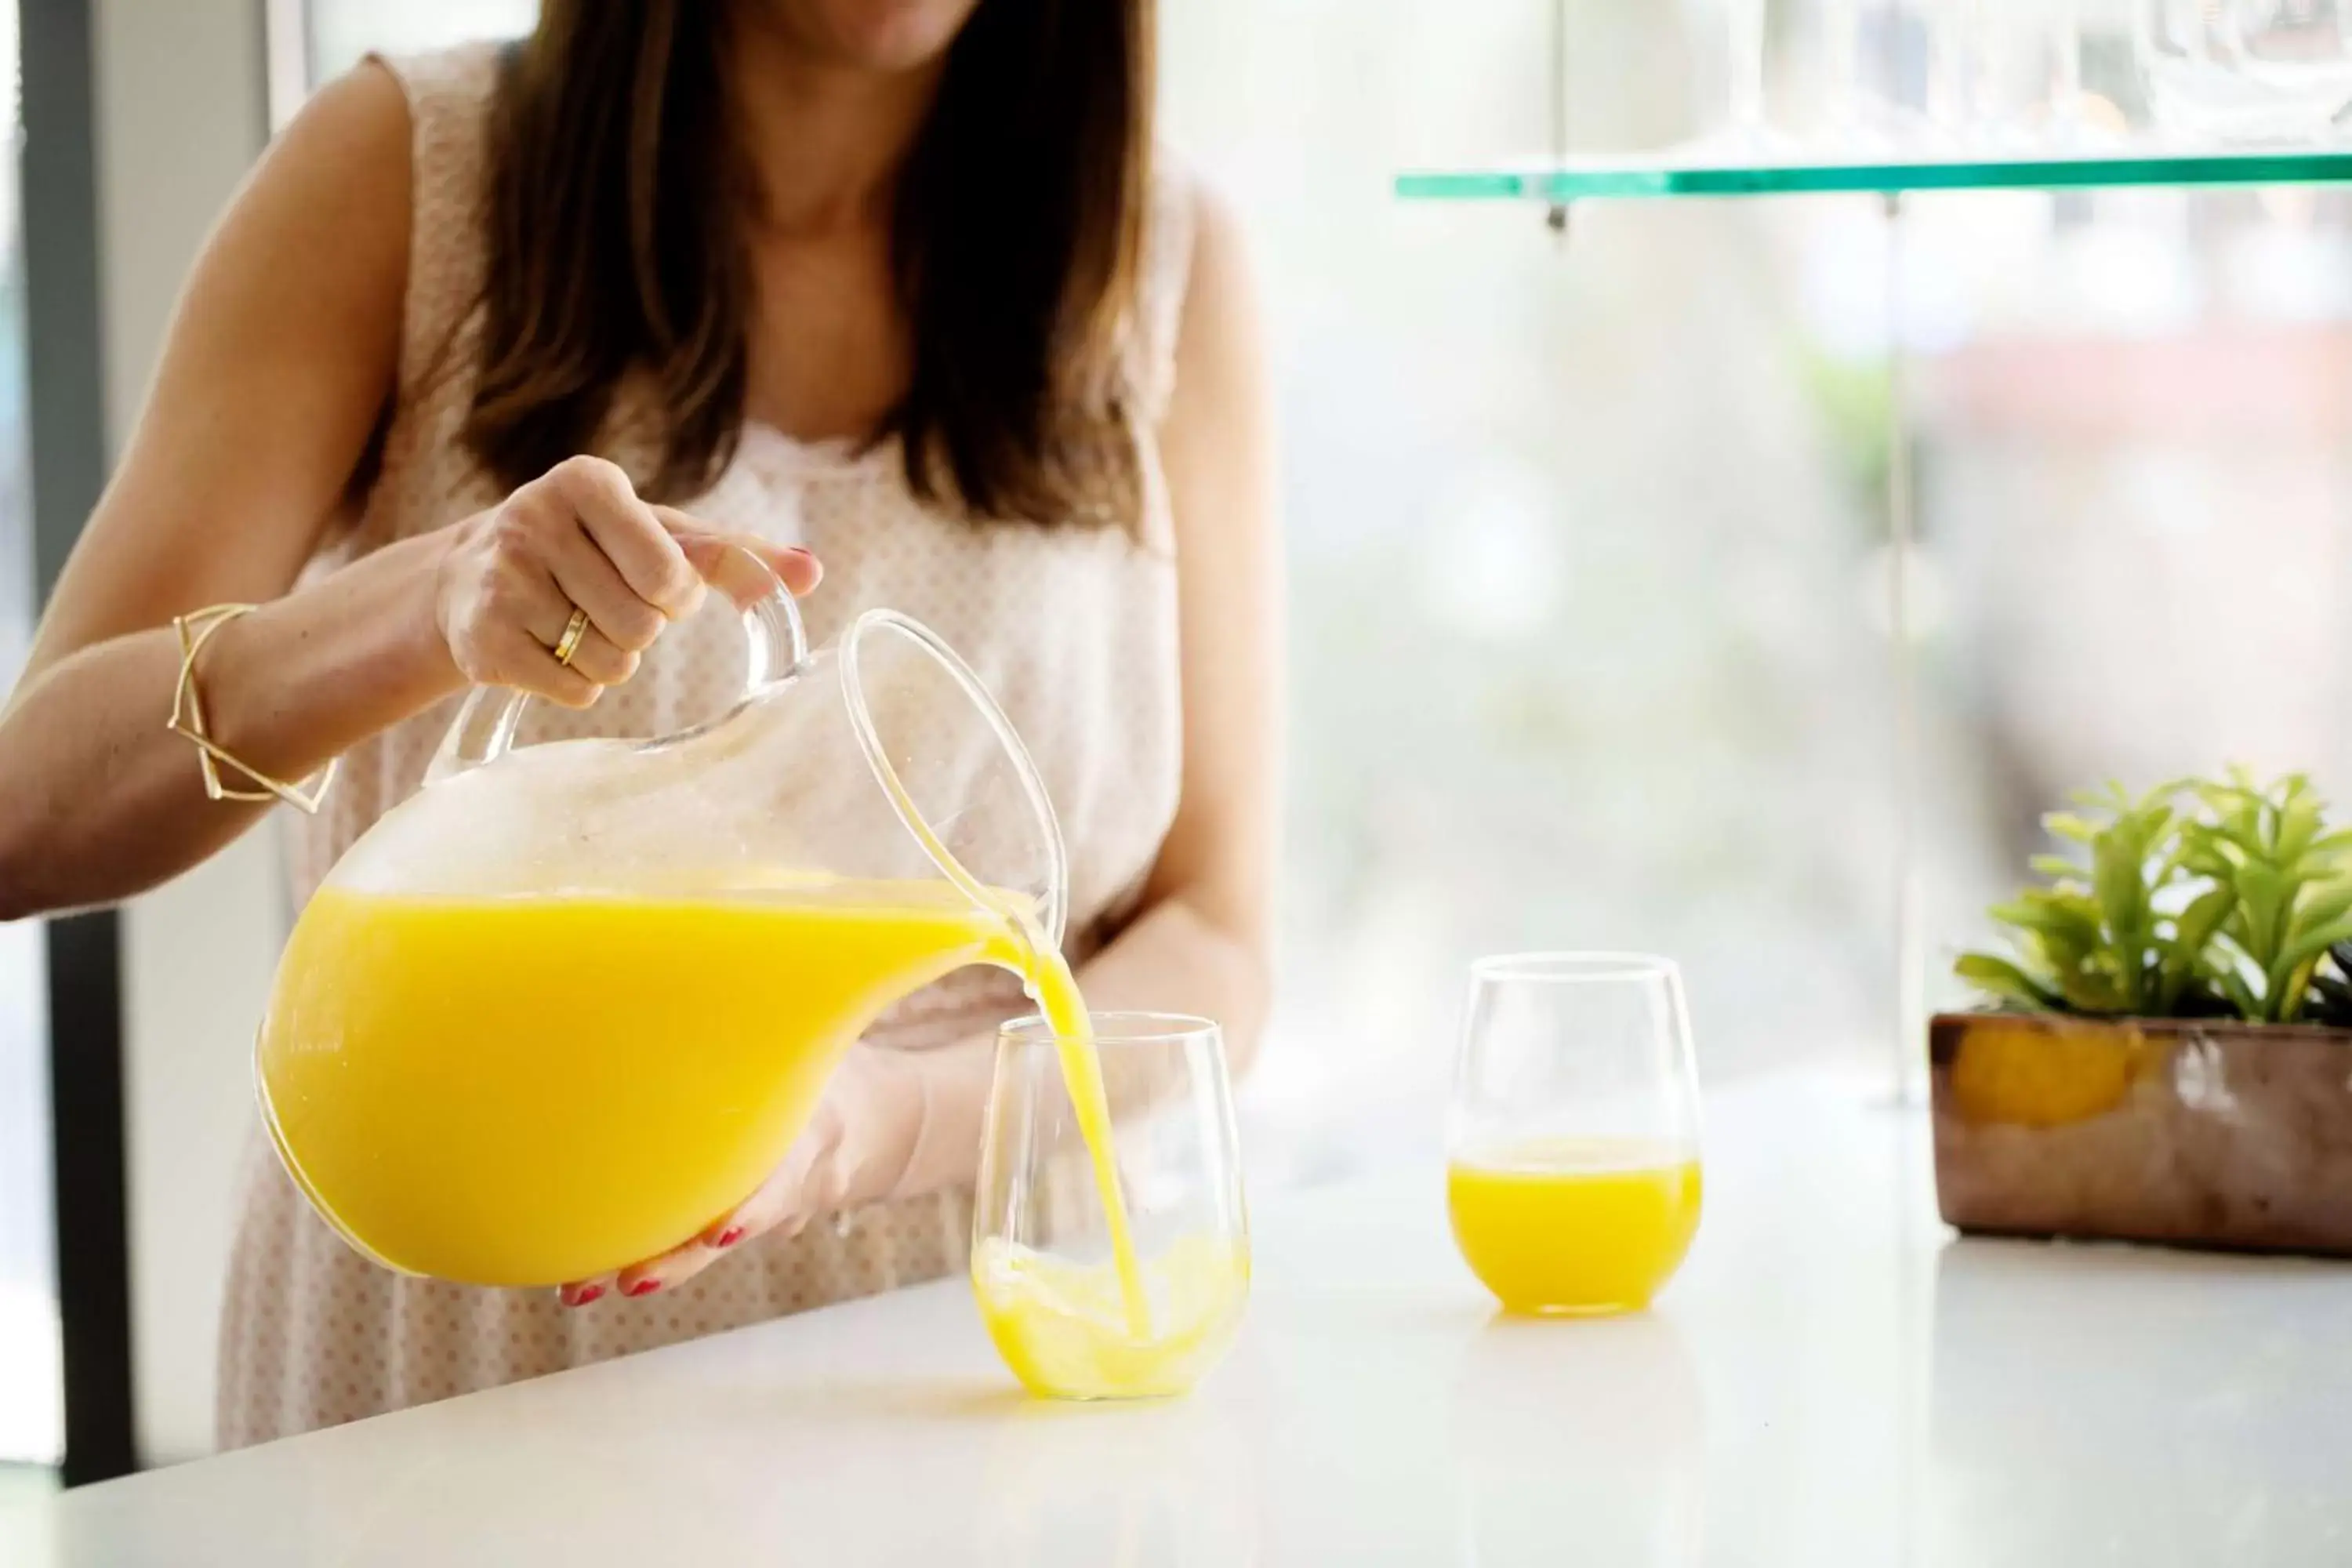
column 644, row 1288
column 730, row 1237
column 590, row 1294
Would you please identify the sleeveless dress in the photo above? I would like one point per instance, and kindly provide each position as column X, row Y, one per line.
column 1073, row 627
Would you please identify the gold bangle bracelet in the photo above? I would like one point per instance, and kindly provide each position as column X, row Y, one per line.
column 195, row 629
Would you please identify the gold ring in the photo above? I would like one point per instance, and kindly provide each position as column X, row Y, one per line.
column 569, row 643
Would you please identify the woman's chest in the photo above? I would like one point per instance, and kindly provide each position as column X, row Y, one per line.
column 829, row 352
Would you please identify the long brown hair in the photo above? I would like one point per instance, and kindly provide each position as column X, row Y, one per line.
column 616, row 235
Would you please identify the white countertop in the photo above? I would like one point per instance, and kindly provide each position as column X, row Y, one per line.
column 1833, row 1379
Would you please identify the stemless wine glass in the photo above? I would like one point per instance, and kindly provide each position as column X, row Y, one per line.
column 1573, row 1171
column 1068, row 1318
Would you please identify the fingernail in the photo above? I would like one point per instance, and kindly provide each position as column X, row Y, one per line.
column 801, row 550
column 644, row 1288
column 730, row 1237
column 587, row 1294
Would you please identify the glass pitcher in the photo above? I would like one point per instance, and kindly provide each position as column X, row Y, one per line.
column 573, row 1001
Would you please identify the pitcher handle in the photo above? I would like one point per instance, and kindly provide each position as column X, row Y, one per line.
column 484, row 727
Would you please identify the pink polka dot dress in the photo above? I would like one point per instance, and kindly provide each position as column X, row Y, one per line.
column 1073, row 627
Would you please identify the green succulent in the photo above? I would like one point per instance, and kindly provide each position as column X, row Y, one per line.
column 2197, row 899
column 2289, row 889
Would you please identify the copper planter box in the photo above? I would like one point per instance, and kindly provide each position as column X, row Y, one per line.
column 2202, row 1133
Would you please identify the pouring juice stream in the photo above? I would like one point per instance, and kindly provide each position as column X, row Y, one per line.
column 1048, row 975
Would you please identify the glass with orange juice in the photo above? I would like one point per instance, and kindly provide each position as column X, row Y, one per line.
column 1124, row 1280
column 1573, row 1150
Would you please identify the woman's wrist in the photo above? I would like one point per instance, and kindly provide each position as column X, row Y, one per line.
column 425, row 649
column 308, row 676
column 402, row 661
column 951, row 1095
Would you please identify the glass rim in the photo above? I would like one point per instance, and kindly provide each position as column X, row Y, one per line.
column 1573, row 968
column 1115, row 1026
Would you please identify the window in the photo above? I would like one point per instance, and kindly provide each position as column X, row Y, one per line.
column 1581, row 645
column 32, row 1420
column 1589, row 545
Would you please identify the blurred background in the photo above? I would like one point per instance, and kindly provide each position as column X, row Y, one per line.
column 1589, row 551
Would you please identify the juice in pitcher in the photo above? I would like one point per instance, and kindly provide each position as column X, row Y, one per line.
column 526, row 1089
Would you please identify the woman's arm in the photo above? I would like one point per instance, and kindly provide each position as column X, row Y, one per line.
column 280, row 366
column 899, row 1124
column 276, row 368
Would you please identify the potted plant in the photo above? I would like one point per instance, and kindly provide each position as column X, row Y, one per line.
column 2168, row 1052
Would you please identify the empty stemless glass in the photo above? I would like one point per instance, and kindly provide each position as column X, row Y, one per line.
column 1068, row 1319
column 1573, row 1152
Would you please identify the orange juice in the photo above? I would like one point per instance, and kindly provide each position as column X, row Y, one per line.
column 1067, row 1330
column 1574, row 1225
column 529, row 1090
column 1065, row 1011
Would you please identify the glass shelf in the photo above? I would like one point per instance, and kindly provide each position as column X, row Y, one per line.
column 1705, row 172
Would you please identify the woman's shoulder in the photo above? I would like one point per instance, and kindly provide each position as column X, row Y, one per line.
column 1171, row 218
column 379, row 118
column 1192, row 246
column 327, row 202
column 449, row 94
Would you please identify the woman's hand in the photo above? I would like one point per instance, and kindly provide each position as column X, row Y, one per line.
column 855, row 1151
column 578, row 536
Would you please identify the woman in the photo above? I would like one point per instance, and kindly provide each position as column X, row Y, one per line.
column 491, row 337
